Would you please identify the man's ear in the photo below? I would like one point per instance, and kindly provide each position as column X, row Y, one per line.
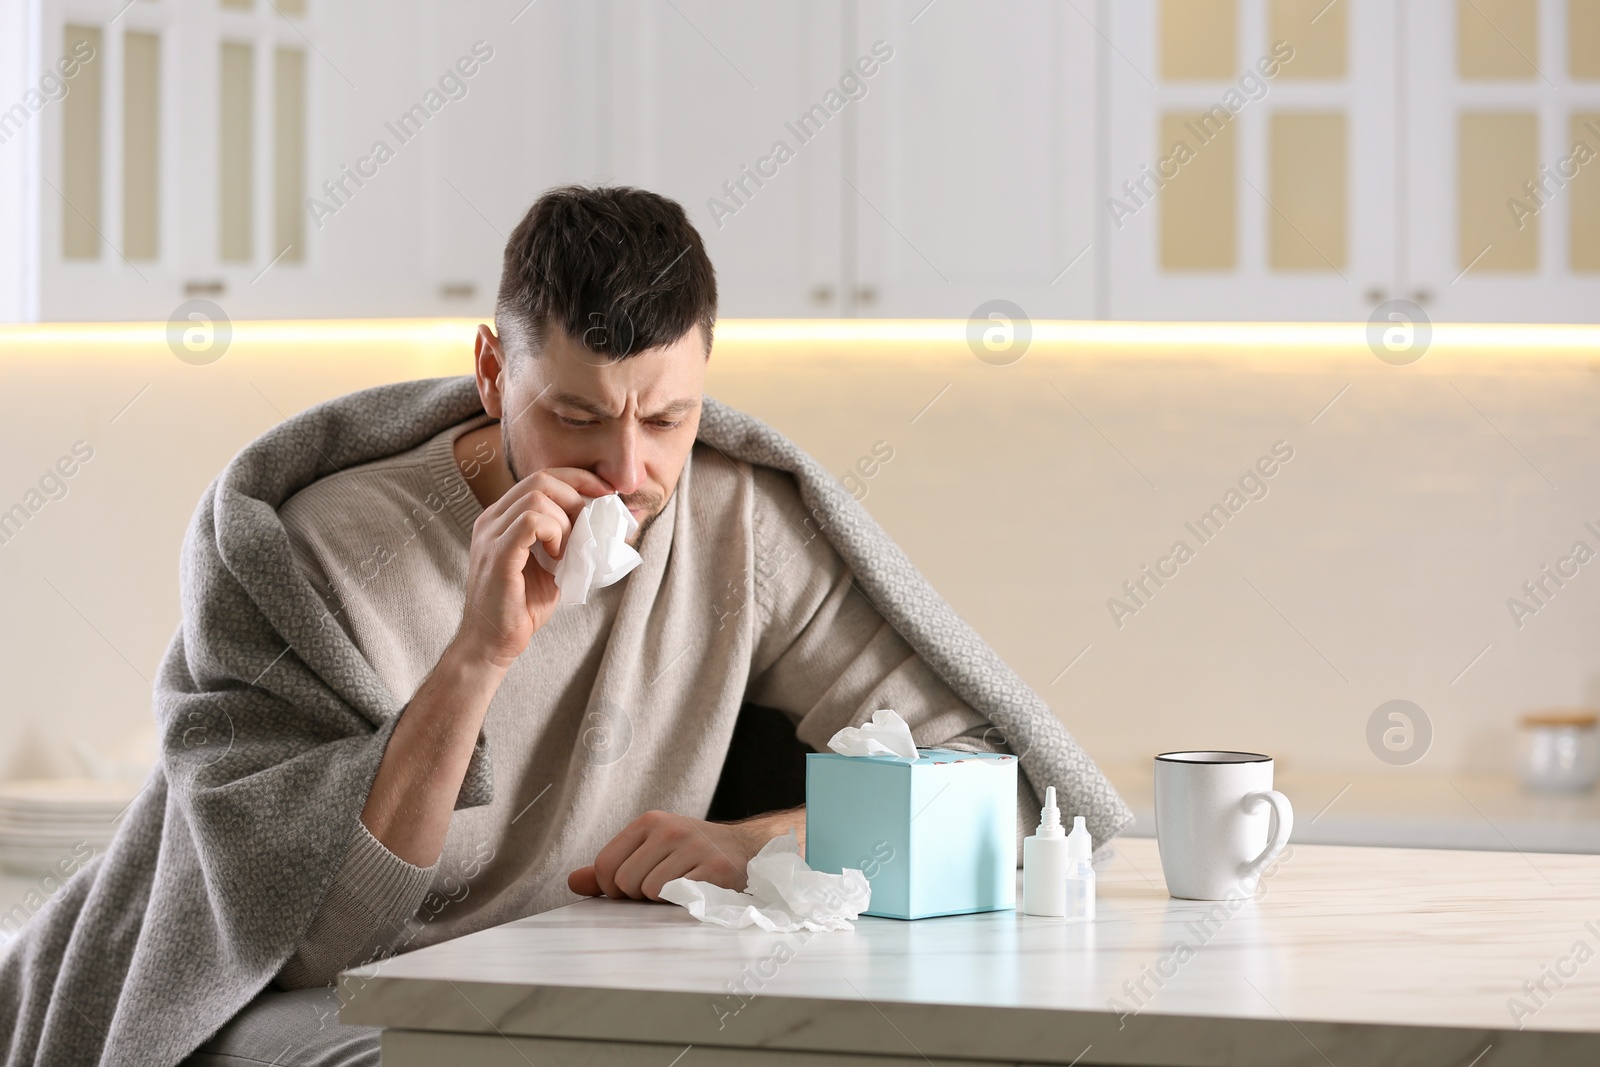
column 489, row 366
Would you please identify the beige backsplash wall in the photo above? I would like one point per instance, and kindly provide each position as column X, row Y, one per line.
column 1377, row 566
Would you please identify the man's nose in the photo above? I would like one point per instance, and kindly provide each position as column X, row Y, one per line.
column 622, row 466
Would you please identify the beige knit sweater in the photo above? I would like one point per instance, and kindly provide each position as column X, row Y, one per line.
column 619, row 706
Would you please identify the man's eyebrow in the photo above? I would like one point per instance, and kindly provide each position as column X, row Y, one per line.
column 573, row 400
column 681, row 406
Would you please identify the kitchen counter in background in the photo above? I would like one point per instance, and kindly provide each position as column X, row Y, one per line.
column 1490, row 812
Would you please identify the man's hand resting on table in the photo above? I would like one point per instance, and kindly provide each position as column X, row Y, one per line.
column 658, row 846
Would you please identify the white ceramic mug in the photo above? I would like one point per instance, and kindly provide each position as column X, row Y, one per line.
column 1219, row 822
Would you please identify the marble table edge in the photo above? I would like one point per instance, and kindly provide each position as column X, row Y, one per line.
column 886, row 1027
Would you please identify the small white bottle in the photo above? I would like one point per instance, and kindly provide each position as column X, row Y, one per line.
column 1044, row 863
column 1079, row 873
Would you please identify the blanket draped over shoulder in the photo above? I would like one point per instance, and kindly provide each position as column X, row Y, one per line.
column 272, row 724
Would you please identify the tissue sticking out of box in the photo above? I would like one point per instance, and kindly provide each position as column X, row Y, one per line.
column 597, row 552
column 886, row 735
column 783, row 894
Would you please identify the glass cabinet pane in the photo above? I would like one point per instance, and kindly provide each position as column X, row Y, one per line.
column 1497, row 39
column 1307, row 223
column 1497, row 153
column 236, row 142
column 141, row 145
column 81, row 146
column 289, row 155
column 1199, row 40
column 1197, row 205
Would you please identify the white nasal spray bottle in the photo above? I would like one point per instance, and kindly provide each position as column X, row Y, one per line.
column 1044, row 863
column 1080, row 873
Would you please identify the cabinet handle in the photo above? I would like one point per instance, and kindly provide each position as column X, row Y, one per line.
column 822, row 294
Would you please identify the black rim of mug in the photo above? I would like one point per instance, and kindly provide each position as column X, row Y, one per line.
column 1194, row 757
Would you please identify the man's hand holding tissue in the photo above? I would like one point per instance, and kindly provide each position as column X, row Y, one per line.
column 658, row 846
column 509, row 597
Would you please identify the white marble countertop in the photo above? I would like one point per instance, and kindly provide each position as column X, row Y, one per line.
column 1346, row 956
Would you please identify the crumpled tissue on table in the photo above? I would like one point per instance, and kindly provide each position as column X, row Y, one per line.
column 784, row 895
column 597, row 553
column 886, row 735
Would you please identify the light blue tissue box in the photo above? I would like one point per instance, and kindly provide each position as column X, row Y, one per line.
column 934, row 837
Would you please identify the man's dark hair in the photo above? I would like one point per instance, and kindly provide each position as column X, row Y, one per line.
column 620, row 270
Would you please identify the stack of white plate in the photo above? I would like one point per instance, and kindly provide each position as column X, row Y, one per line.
column 47, row 821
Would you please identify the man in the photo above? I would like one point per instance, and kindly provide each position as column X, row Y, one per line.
column 580, row 404
column 448, row 749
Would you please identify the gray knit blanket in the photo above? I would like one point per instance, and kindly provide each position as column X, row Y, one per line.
column 272, row 724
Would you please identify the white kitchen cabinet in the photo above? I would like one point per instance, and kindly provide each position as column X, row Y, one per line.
column 709, row 102
column 1249, row 168
column 1409, row 155
column 175, row 160
column 995, row 152
column 1511, row 96
column 973, row 178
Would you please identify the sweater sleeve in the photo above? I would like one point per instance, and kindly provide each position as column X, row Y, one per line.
column 370, row 901
column 828, row 659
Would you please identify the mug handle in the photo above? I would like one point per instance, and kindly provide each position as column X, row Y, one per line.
column 1278, row 839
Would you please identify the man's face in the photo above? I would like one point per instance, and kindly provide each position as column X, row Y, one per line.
column 632, row 421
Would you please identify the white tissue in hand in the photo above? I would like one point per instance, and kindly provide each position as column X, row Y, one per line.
column 597, row 552
column 886, row 735
column 783, row 895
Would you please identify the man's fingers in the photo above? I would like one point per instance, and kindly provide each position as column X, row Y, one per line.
column 518, row 504
column 587, row 483
column 617, row 850
column 656, row 850
column 656, row 831
column 583, row 882
column 544, row 523
column 553, row 534
column 548, row 483
column 570, row 487
column 705, row 873
column 677, row 864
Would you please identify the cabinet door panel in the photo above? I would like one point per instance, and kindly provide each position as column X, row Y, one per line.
column 709, row 105
column 1505, row 167
column 531, row 119
column 973, row 176
column 1249, row 166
